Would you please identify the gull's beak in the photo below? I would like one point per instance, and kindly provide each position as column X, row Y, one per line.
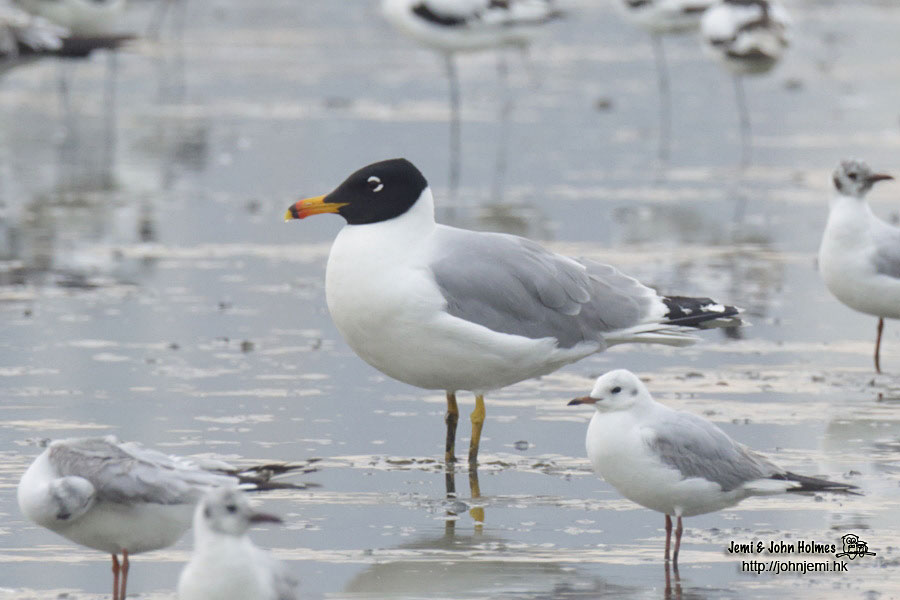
column 311, row 206
column 876, row 177
column 582, row 400
column 263, row 518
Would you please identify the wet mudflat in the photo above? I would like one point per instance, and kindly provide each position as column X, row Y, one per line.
column 150, row 290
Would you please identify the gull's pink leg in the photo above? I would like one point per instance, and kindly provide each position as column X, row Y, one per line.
column 115, row 570
column 878, row 345
column 668, row 535
column 125, row 572
column 678, row 531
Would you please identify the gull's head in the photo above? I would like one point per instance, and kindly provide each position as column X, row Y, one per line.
column 617, row 390
column 226, row 511
column 375, row 193
column 855, row 178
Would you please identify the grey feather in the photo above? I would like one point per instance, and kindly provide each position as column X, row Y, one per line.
column 513, row 285
column 697, row 448
column 127, row 474
column 887, row 253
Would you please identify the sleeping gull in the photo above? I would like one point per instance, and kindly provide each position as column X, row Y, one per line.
column 123, row 498
column 449, row 309
column 860, row 254
column 674, row 462
column 225, row 564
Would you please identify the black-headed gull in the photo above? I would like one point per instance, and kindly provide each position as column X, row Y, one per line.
column 225, row 564
column 859, row 257
column 674, row 462
column 450, row 309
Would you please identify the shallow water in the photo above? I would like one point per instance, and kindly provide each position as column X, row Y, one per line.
column 149, row 289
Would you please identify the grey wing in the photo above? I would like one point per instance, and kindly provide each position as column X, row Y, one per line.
column 126, row 473
column 887, row 251
column 697, row 448
column 513, row 285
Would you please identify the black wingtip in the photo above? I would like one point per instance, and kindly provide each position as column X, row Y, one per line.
column 702, row 313
column 814, row 484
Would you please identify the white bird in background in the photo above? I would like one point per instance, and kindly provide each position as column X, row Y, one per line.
column 225, row 564
column 674, row 462
column 449, row 309
column 83, row 18
column 20, row 30
column 451, row 26
column 859, row 258
column 122, row 498
column 749, row 36
column 659, row 18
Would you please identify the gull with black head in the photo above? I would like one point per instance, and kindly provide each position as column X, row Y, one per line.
column 859, row 257
column 674, row 462
column 449, row 309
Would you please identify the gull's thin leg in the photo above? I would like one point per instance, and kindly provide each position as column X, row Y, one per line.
column 451, row 419
column 125, row 566
column 678, row 531
column 668, row 535
column 477, row 418
column 115, row 570
column 506, row 107
column 455, row 131
column 476, row 513
column 878, row 345
column 744, row 114
column 665, row 99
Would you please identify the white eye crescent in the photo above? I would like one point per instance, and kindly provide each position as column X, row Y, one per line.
column 375, row 184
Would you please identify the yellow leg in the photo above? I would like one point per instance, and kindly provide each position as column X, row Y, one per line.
column 477, row 418
column 451, row 419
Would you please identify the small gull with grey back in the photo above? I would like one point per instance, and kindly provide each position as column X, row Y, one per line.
column 674, row 462
column 449, row 309
column 859, row 257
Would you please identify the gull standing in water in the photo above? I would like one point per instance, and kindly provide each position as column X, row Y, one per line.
column 859, row 258
column 449, row 309
column 659, row 18
column 674, row 462
column 225, row 564
column 749, row 36
column 451, row 26
column 122, row 498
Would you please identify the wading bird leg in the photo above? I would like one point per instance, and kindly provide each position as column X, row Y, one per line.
column 668, row 535
column 878, row 346
column 451, row 419
column 477, row 418
column 115, row 570
column 678, row 531
column 125, row 566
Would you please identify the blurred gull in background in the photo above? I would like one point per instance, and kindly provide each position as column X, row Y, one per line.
column 749, row 37
column 451, row 26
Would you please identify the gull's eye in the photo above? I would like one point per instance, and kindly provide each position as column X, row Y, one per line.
column 231, row 508
column 852, row 176
column 616, row 390
column 375, row 184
